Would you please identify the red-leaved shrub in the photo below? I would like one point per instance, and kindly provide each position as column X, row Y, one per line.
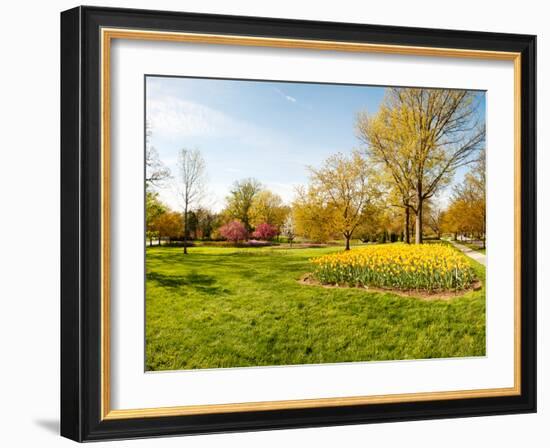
column 265, row 231
column 234, row 231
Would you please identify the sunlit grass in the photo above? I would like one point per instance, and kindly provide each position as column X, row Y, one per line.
column 233, row 307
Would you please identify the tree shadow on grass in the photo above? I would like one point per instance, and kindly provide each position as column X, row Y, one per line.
column 200, row 282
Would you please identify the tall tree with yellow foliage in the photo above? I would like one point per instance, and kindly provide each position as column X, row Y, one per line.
column 466, row 213
column 268, row 207
column 339, row 192
column 420, row 137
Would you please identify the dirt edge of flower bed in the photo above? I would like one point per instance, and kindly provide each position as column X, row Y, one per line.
column 310, row 280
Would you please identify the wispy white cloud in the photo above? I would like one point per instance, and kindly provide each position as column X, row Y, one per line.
column 285, row 96
column 175, row 117
column 185, row 118
column 290, row 98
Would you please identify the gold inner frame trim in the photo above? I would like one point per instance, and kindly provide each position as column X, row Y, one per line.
column 107, row 35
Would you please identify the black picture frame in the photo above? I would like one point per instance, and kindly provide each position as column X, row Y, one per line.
column 81, row 224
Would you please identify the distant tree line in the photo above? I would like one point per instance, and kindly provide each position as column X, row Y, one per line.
column 384, row 191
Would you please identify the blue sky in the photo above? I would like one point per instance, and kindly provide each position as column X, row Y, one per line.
column 268, row 130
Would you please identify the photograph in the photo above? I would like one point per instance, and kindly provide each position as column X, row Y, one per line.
column 294, row 223
column 283, row 221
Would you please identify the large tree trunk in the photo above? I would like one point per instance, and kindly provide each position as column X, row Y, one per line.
column 348, row 237
column 418, row 224
column 185, row 230
column 407, row 225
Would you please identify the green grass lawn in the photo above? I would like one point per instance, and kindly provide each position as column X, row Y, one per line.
column 229, row 307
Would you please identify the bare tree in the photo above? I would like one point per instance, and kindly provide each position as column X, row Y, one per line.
column 155, row 171
column 192, row 168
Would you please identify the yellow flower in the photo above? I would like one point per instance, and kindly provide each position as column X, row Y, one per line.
column 428, row 266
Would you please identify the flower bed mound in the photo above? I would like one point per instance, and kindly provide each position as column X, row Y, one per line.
column 428, row 267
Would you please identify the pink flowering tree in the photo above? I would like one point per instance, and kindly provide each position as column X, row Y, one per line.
column 234, row 231
column 265, row 231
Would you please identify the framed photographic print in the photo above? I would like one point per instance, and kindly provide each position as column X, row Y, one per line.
column 273, row 223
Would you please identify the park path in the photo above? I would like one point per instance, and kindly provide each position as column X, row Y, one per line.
column 473, row 254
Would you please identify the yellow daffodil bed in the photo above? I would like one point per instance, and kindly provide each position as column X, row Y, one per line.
column 430, row 267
